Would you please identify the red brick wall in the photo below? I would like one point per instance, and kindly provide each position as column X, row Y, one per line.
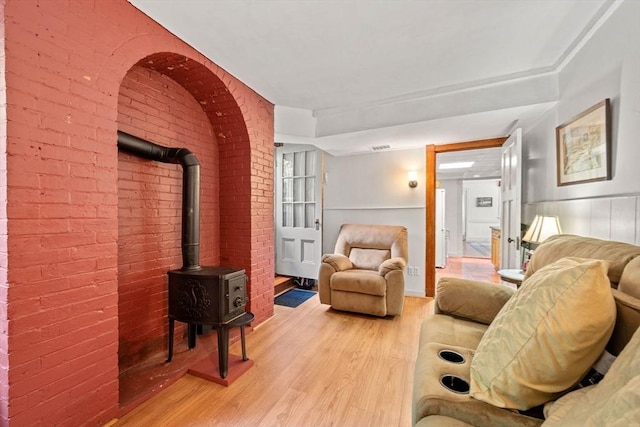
column 158, row 109
column 65, row 61
column 4, row 324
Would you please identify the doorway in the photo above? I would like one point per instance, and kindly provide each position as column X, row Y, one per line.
column 298, row 211
column 480, row 209
column 430, row 199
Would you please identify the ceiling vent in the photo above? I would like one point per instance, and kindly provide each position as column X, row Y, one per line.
column 379, row 147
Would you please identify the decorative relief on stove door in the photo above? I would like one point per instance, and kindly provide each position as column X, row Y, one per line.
column 193, row 300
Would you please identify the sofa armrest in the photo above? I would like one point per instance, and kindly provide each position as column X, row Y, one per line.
column 470, row 299
column 392, row 264
column 339, row 262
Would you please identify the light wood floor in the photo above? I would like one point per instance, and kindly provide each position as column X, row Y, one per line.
column 469, row 268
column 313, row 366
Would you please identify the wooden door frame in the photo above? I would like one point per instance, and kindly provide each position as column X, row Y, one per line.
column 430, row 200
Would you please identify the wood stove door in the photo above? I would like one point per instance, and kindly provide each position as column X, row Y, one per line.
column 298, row 211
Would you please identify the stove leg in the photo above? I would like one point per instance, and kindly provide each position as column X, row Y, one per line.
column 244, row 344
column 171, row 324
column 223, row 349
column 191, row 334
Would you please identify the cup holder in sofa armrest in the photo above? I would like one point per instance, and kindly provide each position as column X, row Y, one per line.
column 455, row 384
column 451, row 356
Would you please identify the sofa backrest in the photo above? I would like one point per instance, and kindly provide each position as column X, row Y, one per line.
column 618, row 254
column 624, row 275
column 368, row 245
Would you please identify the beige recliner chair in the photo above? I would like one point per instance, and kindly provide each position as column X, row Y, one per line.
column 365, row 274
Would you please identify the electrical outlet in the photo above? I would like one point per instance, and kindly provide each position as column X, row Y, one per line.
column 410, row 271
column 416, row 271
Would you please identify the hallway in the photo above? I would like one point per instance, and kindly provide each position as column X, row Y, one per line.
column 469, row 268
column 476, row 249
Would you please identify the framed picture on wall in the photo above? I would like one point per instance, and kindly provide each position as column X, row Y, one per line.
column 583, row 146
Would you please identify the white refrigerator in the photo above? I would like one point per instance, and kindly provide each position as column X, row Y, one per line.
column 441, row 232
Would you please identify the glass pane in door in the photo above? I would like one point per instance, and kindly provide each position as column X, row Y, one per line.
column 298, row 189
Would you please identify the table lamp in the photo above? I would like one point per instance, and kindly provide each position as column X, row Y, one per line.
column 541, row 228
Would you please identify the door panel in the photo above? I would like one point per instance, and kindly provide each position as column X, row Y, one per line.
column 298, row 208
column 511, row 201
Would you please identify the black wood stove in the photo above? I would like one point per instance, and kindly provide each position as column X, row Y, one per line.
column 207, row 295
column 198, row 295
column 213, row 296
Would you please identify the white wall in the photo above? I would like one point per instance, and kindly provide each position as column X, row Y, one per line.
column 373, row 189
column 453, row 215
column 608, row 66
column 480, row 219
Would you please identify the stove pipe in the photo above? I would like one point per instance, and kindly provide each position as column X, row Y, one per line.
column 190, row 189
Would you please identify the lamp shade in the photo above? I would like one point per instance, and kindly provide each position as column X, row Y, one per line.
column 541, row 228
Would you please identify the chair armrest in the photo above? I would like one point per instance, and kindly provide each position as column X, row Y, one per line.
column 338, row 262
column 392, row 264
column 470, row 299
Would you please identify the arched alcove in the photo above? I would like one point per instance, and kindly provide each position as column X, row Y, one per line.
column 173, row 101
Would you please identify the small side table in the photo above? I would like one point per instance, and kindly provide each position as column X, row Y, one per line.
column 514, row 275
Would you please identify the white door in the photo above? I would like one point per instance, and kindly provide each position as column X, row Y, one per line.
column 441, row 232
column 298, row 211
column 511, row 201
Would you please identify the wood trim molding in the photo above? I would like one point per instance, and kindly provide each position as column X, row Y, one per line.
column 430, row 229
column 471, row 145
column 430, row 200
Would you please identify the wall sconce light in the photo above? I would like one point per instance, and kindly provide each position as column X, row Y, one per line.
column 413, row 179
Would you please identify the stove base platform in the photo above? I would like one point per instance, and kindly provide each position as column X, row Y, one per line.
column 209, row 369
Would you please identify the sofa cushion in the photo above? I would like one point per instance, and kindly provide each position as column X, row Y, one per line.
column 630, row 279
column 441, row 421
column 546, row 337
column 615, row 401
column 470, row 299
column 627, row 321
column 360, row 281
column 368, row 259
column 449, row 331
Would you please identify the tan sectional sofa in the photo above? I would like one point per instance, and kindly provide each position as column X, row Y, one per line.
column 469, row 317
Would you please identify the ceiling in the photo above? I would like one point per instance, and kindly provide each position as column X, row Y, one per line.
column 486, row 164
column 347, row 75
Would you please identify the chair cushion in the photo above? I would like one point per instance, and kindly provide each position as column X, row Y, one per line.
column 337, row 261
column 368, row 259
column 546, row 337
column 360, row 281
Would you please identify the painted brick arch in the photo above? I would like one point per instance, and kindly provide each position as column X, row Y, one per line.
column 230, row 130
